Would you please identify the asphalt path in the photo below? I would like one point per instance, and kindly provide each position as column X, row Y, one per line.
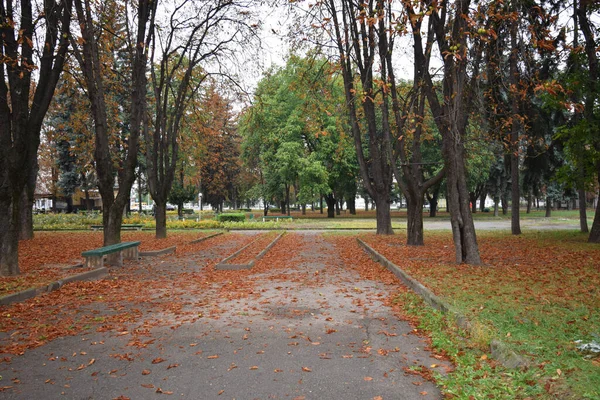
column 313, row 329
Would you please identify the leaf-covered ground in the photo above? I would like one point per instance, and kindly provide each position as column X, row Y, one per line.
column 314, row 317
column 46, row 258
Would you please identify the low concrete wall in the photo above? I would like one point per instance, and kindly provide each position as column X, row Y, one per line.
column 29, row 293
column 223, row 265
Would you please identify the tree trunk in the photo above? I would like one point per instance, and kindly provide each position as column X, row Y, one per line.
column 548, row 207
column 504, row 203
column 595, row 232
column 303, row 208
column 529, row 202
column 515, row 220
column 330, row 205
column 433, row 201
column 482, row 198
column 496, row 201
column 321, row 204
column 9, row 237
column 160, row 215
column 382, row 212
column 26, row 211
column 112, row 218
column 352, row 205
column 337, row 208
column 366, row 202
column 583, row 211
column 287, row 199
column 463, row 228
column 414, row 227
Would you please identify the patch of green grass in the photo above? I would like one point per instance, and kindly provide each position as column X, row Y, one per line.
column 538, row 292
column 476, row 376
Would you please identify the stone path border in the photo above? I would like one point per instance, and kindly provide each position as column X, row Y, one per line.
column 498, row 349
column 155, row 253
column 202, row 239
column 29, row 293
column 223, row 265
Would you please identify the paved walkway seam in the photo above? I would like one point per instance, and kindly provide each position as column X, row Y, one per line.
column 499, row 350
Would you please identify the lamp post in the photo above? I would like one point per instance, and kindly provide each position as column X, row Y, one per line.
column 200, row 204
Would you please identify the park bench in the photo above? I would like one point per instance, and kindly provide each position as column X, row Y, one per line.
column 186, row 213
column 124, row 227
column 116, row 252
column 276, row 217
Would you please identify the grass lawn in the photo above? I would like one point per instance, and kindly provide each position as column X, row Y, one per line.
column 538, row 292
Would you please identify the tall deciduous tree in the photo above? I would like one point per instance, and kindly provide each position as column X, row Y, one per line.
column 591, row 95
column 194, row 34
column 96, row 70
column 359, row 31
column 32, row 36
column 449, row 28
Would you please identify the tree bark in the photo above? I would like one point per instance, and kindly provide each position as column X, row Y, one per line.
column 287, row 200
column 515, row 220
column 160, row 215
column 482, row 198
column 330, row 200
column 583, row 211
column 24, row 103
column 595, row 232
column 384, row 218
column 463, row 228
column 414, row 227
column 496, row 201
column 9, row 236
column 352, row 205
column 27, row 200
column 548, row 207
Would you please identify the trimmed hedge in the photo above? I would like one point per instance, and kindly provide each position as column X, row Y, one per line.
column 230, row 217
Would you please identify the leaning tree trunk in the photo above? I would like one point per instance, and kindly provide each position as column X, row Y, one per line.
column 595, row 232
column 414, row 227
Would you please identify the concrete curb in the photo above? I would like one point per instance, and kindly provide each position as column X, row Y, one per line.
column 155, row 253
column 223, row 265
column 29, row 293
column 202, row 239
column 499, row 350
